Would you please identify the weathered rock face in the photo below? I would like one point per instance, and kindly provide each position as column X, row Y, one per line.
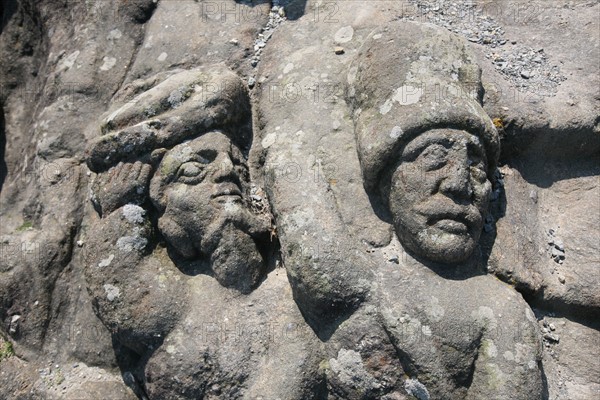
column 299, row 199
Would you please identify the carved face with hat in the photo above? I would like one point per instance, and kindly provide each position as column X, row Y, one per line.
column 199, row 135
column 425, row 144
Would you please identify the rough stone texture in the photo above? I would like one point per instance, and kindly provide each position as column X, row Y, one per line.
column 99, row 299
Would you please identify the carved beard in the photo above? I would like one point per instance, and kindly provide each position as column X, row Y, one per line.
column 228, row 242
column 234, row 256
column 236, row 261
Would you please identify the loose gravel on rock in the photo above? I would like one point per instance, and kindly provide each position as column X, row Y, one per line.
column 530, row 70
column 276, row 18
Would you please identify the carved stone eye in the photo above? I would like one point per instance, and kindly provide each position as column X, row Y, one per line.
column 477, row 170
column 433, row 157
column 190, row 169
column 191, row 172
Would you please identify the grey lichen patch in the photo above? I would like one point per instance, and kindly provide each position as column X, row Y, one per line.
column 486, row 317
column 349, row 371
column 489, row 349
column 106, row 261
column 416, row 389
column 114, row 34
column 108, row 63
column 175, row 98
column 134, row 214
column 130, row 243
column 178, row 96
column 344, row 34
column 112, row 292
column 150, row 111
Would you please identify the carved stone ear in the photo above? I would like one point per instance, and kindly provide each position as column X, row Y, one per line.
column 156, row 156
column 177, row 237
column 157, row 193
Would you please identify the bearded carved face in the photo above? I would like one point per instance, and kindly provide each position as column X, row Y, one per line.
column 438, row 195
column 200, row 188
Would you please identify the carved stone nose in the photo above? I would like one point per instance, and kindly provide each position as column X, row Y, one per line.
column 456, row 183
column 224, row 169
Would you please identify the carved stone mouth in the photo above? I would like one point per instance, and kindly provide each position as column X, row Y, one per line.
column 227, row 190
column 452, row 221
column 452, row 226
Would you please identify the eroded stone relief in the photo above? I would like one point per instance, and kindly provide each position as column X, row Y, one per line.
column 179, row 250
column 298, row 200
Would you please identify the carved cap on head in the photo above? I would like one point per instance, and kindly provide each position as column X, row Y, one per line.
column 185, row 105
column 410, row 78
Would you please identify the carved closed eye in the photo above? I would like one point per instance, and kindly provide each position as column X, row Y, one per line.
column 433, row 157
column 478, row 170
column 191, row 169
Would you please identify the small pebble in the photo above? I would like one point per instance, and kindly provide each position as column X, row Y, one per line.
column 551, row 337
column 339, row 50
column 526, row 74
column 533, row 196
column 559, row 245
column 556, row 253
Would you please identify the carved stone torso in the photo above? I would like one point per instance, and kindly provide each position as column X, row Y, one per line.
column 456, row 337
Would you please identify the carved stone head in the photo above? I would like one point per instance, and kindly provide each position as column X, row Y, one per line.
column 198, row 183
column 427, row 149
column 195, row 128
column 438, row 194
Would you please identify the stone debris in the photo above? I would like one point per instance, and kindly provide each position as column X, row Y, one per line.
column 276, row 18
column 14, row 324
column 548, row 332
column 339, row 50
column 556, row 247
column 416, row 389
column 528, row 69
column 258, row 200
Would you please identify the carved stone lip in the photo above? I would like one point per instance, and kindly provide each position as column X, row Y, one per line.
column 451, row 225
column 457, row 221
column 227, row 190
